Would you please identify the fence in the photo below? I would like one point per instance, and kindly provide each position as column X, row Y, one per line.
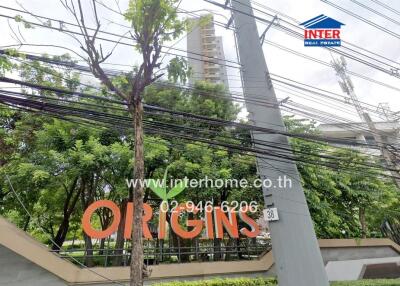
column 172, row 251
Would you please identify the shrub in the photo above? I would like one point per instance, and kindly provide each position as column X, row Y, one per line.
column 272, row 282
column 224, row 282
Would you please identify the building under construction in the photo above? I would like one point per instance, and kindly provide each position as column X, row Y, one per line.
column 206, row 52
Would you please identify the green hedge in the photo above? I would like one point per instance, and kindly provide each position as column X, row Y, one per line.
column 224, row 282
column 272, row 282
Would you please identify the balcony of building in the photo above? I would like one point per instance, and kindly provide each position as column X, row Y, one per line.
column 212, row 76
column 212, row 66
column 210, row 56
column 210, row 45
column 211, row 63
column 207, row 28
column 206, row 39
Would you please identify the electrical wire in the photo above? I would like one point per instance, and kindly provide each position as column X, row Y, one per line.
column 92, row 115
column 391, row 9
column 371, row 23
column 107, row 33
column 80, row 67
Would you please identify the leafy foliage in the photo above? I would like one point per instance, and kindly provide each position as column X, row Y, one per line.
column 225, row 282
column 154, row 17
column 346, row 202
column 20, row 19
column 59, row 167
column 178, row 69
column 5, row 65
column 269, row 281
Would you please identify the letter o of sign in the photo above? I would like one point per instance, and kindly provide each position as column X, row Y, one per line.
column 87, row 226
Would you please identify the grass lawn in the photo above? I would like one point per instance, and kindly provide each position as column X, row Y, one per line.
column 272, row 282
column 395, row 282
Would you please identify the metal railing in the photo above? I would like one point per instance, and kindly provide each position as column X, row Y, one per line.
column 172, row 251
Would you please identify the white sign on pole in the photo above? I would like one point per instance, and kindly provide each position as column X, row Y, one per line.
column 271, row 214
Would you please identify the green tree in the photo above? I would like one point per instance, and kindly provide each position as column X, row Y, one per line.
column 343, row 197
column 154, row 22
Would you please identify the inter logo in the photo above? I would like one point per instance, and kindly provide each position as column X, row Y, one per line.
column 322, row 31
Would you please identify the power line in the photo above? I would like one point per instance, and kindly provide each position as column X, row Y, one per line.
column 371, row 23
column 230, row 96
column 192, row 116
column 363, row 77
column 298, row 35
column 375, row 12
column 62, row 22
column 257, row 103
column 68, row 64
column 391, row 9
column 216, row 121
column 125, row 121
column 368, row 106
column 119, row 42
column 330, row 65
column 344, row 43
column 317, row 91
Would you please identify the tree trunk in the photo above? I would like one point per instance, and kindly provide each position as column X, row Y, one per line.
column 27, row 221
column 87, row 198
column 102, row 246
column 88, row 251
column 137, row 265
column 363, row 222
column 61, row 234
column 73, row 240
column 119, row 244
column 105, row 219
column 69, row 207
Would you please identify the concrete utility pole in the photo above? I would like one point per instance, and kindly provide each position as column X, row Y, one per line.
column 381, row 140
column 298, row 260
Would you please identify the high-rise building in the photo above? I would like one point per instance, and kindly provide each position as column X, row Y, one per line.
column 206, row 52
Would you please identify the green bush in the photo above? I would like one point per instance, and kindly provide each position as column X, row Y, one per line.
column 225, row 282
column 272, row 282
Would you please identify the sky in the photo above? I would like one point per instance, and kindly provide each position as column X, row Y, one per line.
column 279, row 62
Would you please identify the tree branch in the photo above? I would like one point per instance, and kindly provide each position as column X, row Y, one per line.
column 95, row 56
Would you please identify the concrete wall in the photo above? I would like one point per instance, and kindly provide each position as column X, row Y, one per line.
column 355, row 253
column 194, row 45
column 345, row 253
column 26, row 262
column 16, row 270
column 350, row 270
column 221, row 54
column 200, row 54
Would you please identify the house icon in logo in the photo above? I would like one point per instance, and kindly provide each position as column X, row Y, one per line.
column 322, row 31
